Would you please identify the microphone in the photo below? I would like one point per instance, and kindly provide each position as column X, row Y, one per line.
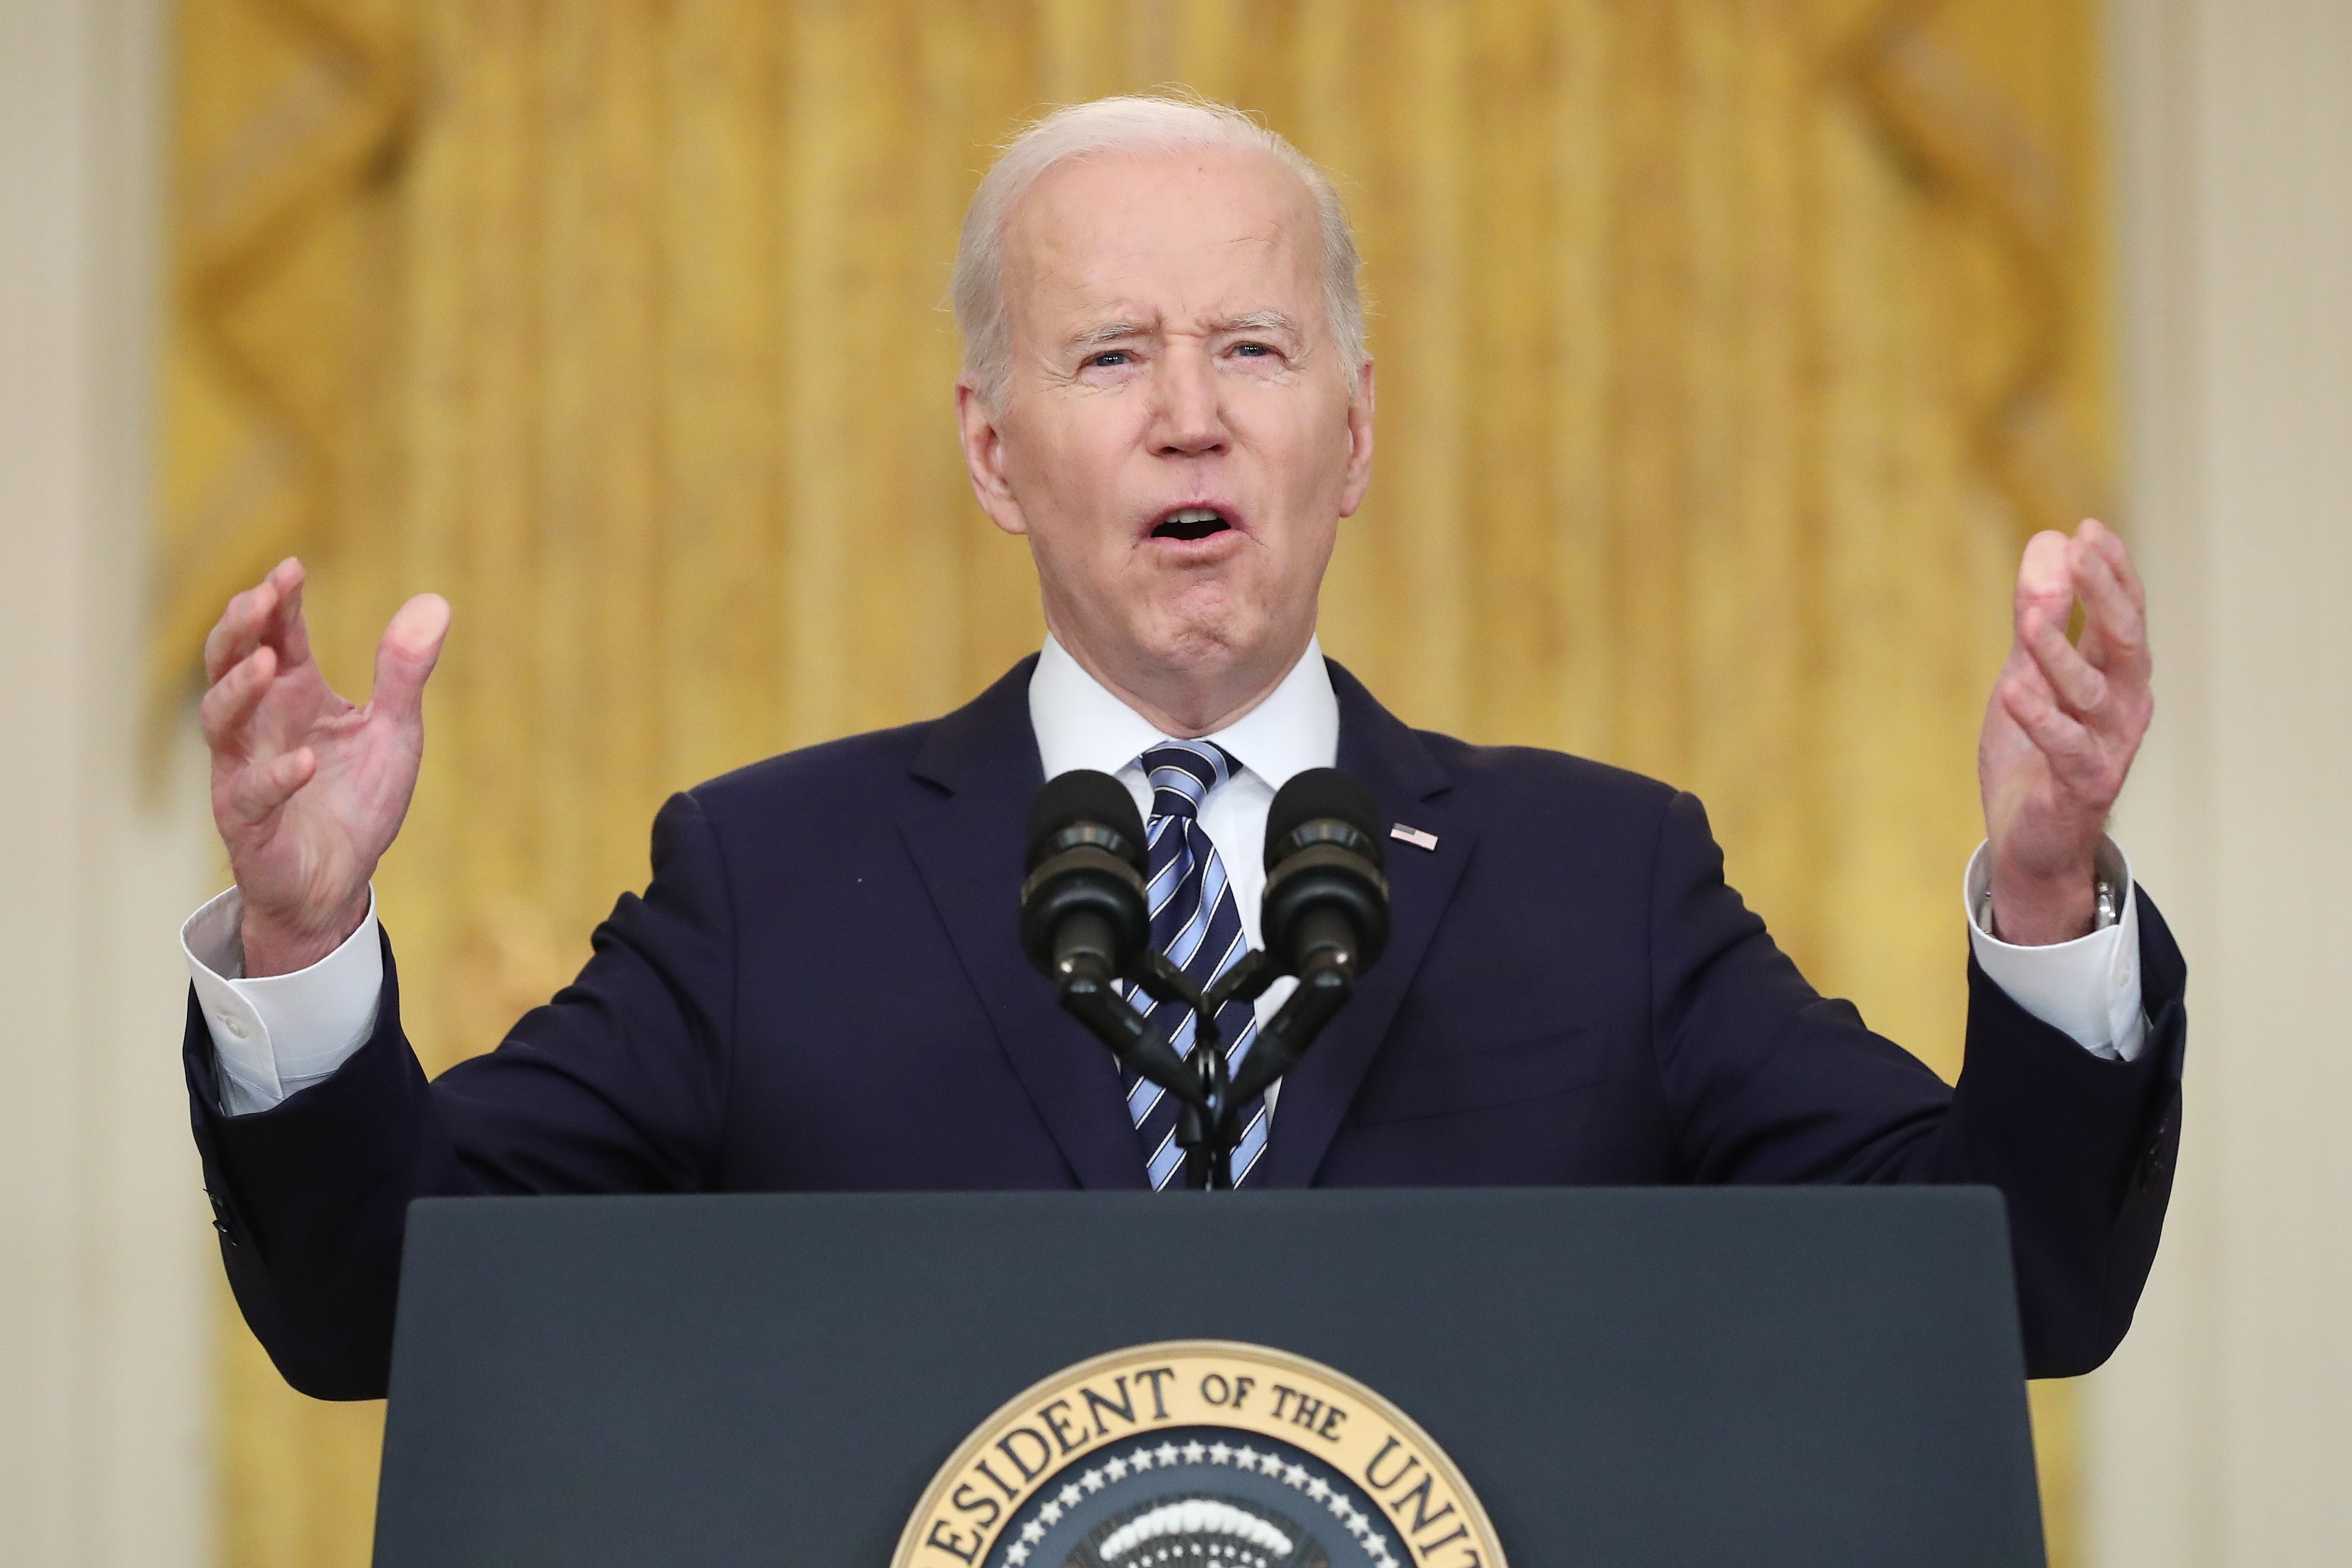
column 1085, row 921
column 1324, row 917
column 1327, row 904
column 1082, row 907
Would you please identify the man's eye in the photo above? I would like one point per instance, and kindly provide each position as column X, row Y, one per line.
column 1110, row 357
column 1252, row 351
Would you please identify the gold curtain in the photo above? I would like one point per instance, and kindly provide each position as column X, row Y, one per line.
column 1728, row 350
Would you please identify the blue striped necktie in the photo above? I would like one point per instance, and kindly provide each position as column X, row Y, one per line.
column 1196, row 923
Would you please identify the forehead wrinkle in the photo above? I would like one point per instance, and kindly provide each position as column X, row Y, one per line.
column 1059, row 258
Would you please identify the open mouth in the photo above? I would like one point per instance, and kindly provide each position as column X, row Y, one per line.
column 1190, row 522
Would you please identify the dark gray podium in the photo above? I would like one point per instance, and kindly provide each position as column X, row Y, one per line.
column 1624, row 1376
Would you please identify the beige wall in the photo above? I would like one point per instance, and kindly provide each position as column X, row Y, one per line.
column 105, row 1326
column 2223, row 1433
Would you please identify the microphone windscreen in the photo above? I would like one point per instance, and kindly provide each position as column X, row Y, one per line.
column 1083, row 794
column 1317, row 794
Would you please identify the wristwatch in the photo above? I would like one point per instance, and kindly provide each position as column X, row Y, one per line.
column 2109, row 911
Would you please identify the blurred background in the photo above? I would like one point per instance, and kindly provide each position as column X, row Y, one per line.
column 1729, row 350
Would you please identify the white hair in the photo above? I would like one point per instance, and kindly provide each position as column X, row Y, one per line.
column 1144, row 123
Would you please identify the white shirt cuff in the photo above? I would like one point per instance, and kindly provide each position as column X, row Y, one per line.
column 279, row 1034
column 2089, row 987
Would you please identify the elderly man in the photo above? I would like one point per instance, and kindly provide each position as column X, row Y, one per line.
column 1166, row 392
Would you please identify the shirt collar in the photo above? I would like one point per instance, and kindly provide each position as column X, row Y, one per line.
column 1080, row 724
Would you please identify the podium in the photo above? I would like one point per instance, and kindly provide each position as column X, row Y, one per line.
column 1621, row 1377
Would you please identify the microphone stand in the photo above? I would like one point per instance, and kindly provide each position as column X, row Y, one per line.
column 1208, row 1093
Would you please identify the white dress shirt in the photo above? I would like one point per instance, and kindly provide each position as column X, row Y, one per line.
column 281, row 1033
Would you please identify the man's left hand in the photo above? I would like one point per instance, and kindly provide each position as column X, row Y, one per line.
column 2060, row 734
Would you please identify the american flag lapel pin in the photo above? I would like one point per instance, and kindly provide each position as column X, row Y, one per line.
column 1414, row 836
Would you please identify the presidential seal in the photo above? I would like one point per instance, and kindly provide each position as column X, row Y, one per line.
column 1199, row 1454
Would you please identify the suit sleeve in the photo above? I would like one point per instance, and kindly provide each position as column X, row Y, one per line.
column 619, row 1085
column 1771, row 1082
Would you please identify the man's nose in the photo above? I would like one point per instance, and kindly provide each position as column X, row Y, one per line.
column 1191, row 420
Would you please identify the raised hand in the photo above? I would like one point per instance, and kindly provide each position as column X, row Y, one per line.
column 309, row 791
column 2060, row 734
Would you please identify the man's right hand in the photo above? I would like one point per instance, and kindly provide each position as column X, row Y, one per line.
column 309, row 791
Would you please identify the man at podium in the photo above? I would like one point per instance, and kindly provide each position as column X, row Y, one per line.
column 1166, row 391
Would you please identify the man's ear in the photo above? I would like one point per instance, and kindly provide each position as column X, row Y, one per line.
column 983, row 458
column 1359, row 444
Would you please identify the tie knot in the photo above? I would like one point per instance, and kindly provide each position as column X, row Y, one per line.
column 1183, row 773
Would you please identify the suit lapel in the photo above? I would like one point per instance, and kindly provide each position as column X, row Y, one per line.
column 1378, row 748
column 967, row 844
column 966, row 841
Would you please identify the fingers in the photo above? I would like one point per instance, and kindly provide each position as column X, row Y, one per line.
column 2044, row 579
column 2094, row 566
column 2056, row 734
column 2083, row 709
column 2115, row 633
column 269, row 611
column 239, row 631
column 406, row 657
column 2104, row 539
column 258, row 791
column 229, row 704
column 287, row 629
column 2068, row 710
column 2079, row 688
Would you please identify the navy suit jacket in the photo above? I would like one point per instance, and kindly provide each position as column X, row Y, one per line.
column 822, row 989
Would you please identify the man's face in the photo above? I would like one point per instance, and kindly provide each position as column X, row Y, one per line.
column 1178, row 439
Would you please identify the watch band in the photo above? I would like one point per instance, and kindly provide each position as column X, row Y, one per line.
column 2106, row 912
